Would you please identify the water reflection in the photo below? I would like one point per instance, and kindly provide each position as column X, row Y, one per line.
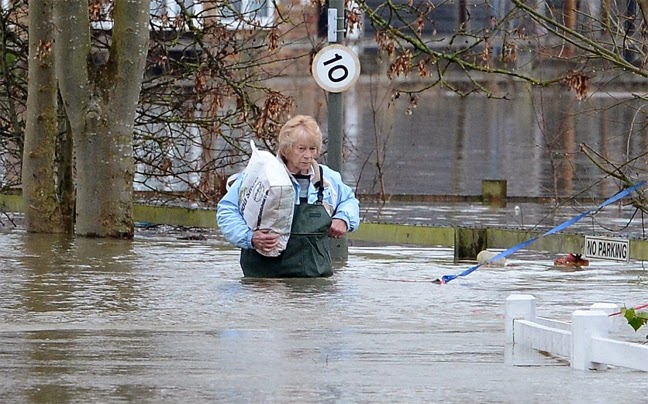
column 64, row 274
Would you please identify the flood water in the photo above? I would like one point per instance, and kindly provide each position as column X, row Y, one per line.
column 163, row 320
column 448, row 144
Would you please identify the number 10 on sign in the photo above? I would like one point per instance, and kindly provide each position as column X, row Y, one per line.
column 336, row 68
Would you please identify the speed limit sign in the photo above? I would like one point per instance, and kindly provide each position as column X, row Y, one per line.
column 336, row 68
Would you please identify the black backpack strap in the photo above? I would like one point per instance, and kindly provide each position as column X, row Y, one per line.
column 320, row 187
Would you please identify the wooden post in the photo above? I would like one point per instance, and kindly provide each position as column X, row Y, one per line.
column 468, row 243
column 494, row 192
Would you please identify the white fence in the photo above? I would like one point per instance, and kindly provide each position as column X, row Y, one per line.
column 584, row 341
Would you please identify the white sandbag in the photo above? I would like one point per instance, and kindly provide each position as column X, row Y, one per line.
column 267, row 197
column 484, row 258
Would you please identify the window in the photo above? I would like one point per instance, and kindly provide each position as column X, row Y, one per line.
column 169, row 14
column 246, row 14
column 101, row 16
column 165, row 14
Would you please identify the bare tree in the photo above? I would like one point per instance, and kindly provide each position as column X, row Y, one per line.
column 207, row 91
column 582, row 46
column 203, row 92
column 100, row 101
column 43, row 211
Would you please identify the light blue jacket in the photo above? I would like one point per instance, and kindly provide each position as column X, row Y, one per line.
column 339, row 200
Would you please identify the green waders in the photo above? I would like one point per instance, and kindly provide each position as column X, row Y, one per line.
column 307, row 253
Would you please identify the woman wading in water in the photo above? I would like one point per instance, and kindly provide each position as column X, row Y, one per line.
column 325, row 208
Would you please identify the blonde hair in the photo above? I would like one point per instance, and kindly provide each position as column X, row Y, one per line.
column 298, row 126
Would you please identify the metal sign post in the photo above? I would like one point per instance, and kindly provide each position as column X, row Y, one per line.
column 336, row 110
column 336, row 68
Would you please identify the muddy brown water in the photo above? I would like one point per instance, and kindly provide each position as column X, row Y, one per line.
column 448, row 144
column 167, row 320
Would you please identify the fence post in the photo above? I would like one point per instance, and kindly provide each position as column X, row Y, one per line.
column 608, row 308
column 585, row 325
column 518, row 307
column 468, row 243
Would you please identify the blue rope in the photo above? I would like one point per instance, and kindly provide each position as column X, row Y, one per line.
column 560, row 227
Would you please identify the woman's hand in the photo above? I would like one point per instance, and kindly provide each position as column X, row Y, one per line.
column 338, row 228
column 264, row 239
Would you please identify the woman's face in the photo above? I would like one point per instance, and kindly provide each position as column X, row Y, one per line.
column 300, row 156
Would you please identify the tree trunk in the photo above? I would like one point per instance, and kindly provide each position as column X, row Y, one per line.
column 101, row 103
column 43, row 212
column 65, row 169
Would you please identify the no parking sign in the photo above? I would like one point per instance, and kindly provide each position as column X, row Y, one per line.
column 336, row 68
